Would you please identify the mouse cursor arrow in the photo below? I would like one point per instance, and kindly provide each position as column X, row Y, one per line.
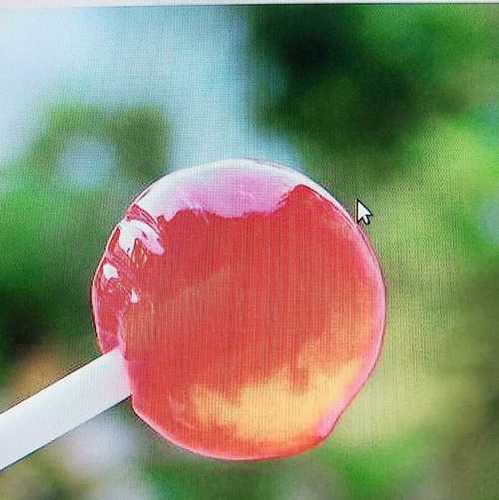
column 362, row 213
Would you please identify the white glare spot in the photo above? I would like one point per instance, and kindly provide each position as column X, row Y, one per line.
column 109, row 271
column 133, row 230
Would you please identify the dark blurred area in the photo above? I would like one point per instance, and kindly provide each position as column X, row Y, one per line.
column 397, row 105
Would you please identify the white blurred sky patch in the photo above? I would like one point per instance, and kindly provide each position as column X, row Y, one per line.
column 489, row 219
column 125, row 486
column 107, row 453
column 87, row 163
column 189, row 61
column 102, row 447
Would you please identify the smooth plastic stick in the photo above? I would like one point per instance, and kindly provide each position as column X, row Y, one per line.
column 62, row 406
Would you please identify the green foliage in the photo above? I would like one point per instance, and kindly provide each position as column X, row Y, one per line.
column 209, row 480
column 137, row 134
column 54, row 230
column 358, row 80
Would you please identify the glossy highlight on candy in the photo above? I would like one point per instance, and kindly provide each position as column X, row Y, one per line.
column 248, row 305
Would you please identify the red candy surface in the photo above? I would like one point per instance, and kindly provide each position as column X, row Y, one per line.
column 248, row 305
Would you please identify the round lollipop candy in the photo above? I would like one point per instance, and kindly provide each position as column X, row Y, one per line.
column 239, row 305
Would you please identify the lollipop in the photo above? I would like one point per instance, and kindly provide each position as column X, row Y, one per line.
column 239, row 305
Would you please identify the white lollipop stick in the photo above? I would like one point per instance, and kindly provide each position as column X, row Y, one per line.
column 62, row 406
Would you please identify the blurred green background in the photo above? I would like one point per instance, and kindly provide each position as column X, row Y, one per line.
column 396, row 105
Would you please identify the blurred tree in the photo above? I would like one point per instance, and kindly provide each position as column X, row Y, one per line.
column 138, row 136
column 54, row 227
column 355, row 81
